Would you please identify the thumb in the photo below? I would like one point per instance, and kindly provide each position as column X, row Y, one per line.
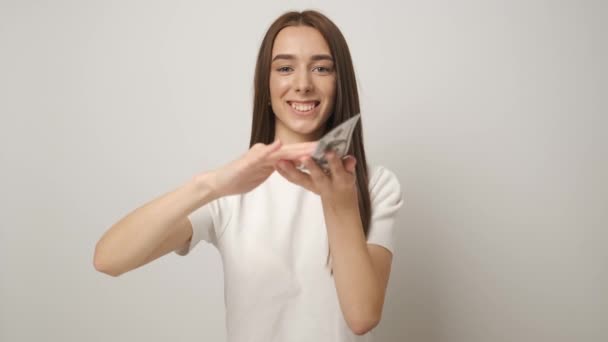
column 349, row 164
column 274, row 146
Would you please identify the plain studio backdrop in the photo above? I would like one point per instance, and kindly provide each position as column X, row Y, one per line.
column 491, row 113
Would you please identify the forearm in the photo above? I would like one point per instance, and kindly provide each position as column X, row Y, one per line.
column 129, row 241
column 356, row 282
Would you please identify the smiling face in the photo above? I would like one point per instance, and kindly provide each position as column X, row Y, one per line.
column 302, row 84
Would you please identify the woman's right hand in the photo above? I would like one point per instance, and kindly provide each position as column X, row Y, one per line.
column 255, row 166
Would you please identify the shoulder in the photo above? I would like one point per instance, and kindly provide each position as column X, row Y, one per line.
column 222, row 209
column 384, row 187
column 224, row 203
column 381, row 177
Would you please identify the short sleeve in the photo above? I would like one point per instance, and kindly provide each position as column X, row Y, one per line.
column 207, row 221
column 386, row 200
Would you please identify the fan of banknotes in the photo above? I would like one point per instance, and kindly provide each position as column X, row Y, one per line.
column 338, row 139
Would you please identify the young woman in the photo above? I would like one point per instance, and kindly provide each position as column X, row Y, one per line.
column 276, row 230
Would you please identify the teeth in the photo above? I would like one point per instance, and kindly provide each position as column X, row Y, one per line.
column 302, row 107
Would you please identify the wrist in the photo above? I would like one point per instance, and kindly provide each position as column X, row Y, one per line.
column 344, row 203
column 205, row 187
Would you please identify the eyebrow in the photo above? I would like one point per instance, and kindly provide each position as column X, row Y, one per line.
column 314, row 57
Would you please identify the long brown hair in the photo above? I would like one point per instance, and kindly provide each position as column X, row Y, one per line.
column 346, row 103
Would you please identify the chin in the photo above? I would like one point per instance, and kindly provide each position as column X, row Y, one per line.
column 306, row 130
column 301, row 128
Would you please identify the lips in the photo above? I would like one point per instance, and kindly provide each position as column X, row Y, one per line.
column 303, row 106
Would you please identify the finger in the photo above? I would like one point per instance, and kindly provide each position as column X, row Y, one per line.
column 316, row 173
column 287, row 155
column 288, row 170
column 309, row 145
column 350, row 164
column 335, row 164
column 275, row 146
column 292, row 152
column 260, row 152
column 306, row 147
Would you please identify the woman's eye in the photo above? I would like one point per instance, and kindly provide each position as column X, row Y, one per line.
column 284, row 69
column 323, row 69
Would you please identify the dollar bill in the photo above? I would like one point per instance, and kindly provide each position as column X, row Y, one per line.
column 338, row 139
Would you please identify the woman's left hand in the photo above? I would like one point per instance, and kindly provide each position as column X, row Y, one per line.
column 338, row 186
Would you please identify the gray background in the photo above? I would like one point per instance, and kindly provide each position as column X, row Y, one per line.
column 492, row 114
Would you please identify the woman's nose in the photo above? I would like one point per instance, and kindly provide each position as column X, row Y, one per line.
column 302, row 82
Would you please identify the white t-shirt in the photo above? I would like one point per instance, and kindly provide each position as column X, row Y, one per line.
column 273, row 244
